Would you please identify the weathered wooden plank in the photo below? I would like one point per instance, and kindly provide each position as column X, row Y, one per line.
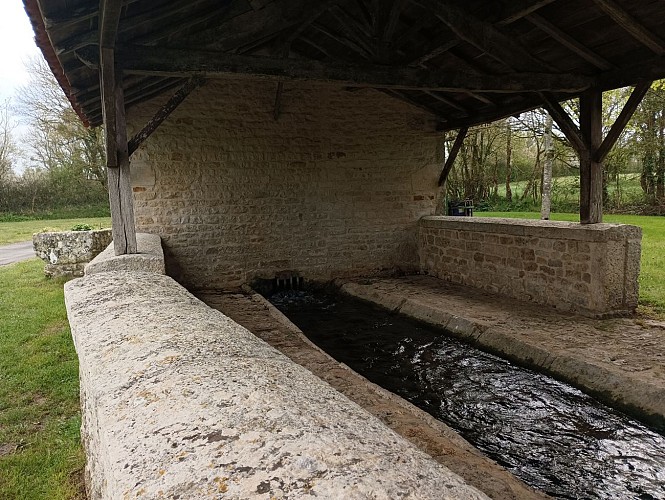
column 450, row 161
column 632, row 26
column 177, row 63
column 107, row 86
column 591, row 171
column 120, row 185
column 163, row 113
column 109, row 19
column 622, row 120
column 568, row 41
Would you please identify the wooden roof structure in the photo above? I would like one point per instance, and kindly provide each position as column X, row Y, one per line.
column 465, row 62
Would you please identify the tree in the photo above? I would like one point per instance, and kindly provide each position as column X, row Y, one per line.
column 58, row 140
column 546, row 201
column 8, row 149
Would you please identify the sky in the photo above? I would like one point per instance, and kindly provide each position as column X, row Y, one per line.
column 16, row 46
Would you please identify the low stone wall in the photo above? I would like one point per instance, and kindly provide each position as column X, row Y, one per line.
column 67, row 252
column 588, row 269
column 179, row 401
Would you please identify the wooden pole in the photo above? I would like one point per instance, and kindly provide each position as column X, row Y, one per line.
column 591, row 171
column 119, row 181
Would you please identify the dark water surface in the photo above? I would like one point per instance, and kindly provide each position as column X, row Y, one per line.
column 551, row 435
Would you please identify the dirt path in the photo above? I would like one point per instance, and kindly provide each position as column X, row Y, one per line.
column 432, row 436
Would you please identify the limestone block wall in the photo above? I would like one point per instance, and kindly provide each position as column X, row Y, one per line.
column 589, row 269
column 333, row 187
column 179, row 401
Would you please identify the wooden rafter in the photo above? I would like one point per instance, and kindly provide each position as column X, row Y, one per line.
column 414, row 103
column 163, row 113
column 77, row 15
column 448, row 102
column 484, row 36
column 157, row 61
column 632, row 26
column 517, row 9
column 450, row 161
column 568, row 41
column 393, row 18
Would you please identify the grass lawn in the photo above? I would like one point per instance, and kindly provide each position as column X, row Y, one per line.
column 40, row 452
column 13, row 232
column 652, row 274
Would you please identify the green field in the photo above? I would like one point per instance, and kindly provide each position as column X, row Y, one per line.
column 13, row 232
column 40, row 452
column 652, row 274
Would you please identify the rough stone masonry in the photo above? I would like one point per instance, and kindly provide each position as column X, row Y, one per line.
column 333, row 187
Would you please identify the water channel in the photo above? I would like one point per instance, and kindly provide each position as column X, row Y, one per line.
column 551, row 435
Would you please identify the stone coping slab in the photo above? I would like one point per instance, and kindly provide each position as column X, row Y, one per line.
column 620, row 360
column 535, row 227
column 435, row 438
column 179, row 401
column 150, row 257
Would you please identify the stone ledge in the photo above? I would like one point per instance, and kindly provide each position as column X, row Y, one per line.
column 181, row 402
column 534, row 227
column 150, row 257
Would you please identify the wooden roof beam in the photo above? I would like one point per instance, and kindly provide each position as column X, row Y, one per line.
column 517, row 9
column 155, row 61
column 484, row 36
column 448, row 102
column 412, row 102
column 632, row 26
column 569, row 42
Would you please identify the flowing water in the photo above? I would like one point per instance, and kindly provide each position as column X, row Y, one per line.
column 551, row 435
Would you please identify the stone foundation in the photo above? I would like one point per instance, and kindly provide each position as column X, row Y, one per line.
column 587, row 269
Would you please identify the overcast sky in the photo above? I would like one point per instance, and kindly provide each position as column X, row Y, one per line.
column 16, row 45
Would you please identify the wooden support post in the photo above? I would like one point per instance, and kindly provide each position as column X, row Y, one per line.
column 591, row 171
column 117, row 157
column 119, row 182
column 453, row 154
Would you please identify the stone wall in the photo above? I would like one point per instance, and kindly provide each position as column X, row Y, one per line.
column 334, row 187
column 66, row 253
column 179, row 401
column 589, row 269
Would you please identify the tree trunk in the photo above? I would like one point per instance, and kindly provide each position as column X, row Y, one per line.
column 547, row 171
column 660, row 165
column 509, row 153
